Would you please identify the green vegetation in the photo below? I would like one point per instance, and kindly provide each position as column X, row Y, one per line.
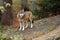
column 6, row 37
column 50, row 5
column 46, row 6
column 1, row 28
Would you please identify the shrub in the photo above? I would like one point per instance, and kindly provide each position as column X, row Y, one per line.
column 46, row 6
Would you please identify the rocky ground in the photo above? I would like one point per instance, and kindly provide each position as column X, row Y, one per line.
column 41, row 27
column 53, row 35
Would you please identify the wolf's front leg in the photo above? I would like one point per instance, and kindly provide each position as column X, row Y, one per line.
column 31, row 25
column 26, row 25
column 31, row 21
column 23, row 26
column 20, row 25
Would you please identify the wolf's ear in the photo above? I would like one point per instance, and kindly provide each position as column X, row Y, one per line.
column 22, row 10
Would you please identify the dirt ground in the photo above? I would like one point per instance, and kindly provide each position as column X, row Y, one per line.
column 40, row 26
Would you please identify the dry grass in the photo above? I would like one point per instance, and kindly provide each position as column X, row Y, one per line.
column 51, row 29
column 37, row 34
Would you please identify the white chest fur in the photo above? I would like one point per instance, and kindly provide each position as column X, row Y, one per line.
column 21, row 14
